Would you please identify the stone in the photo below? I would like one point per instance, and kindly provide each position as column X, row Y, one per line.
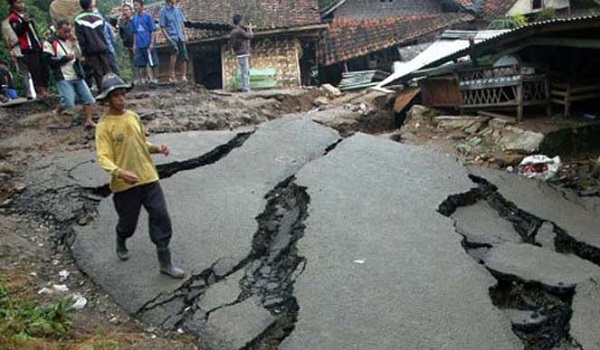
column 419, row 112
column 508, row 159
column 545, row 236
column 321, row 101
column 7, row 168
column 519, row 140
column 331, row 90
column 460, row 122
column 535, row 264
column 525, row 318
column 498, row 123
column 586, row 308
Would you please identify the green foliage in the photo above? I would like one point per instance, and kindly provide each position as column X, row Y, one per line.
column 22, row 320
column 508, row 22
column 545, row 14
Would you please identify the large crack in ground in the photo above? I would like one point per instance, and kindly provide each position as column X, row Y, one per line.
column 70, row 204
column 269, row 271
column 540, row 314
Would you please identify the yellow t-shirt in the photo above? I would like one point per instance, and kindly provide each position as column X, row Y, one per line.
column 121, row 145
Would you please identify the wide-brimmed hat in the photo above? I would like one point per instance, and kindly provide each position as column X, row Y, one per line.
column 110, row 83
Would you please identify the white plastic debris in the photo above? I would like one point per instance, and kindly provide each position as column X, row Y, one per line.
column 45, row 291
column 64, row 274
column 60, row 288
column 539, row 167
column 179, row 330
column 34, row 274
column 359, row 261
column 79, row 301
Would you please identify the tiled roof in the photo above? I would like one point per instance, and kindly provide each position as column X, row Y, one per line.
column 361, row 9
column 350, row 38
column 264, row 14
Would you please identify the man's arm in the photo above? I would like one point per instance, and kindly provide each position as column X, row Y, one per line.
column 49, row 57
column 81, row 39
column 106, row 157
column 19, row 26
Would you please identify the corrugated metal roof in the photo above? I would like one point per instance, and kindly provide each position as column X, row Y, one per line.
column 450, row 42
column 535, row 26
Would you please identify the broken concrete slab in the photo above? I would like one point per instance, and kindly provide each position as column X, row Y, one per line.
column 534, row 264
column 525, row 318
column 586, row 308
column 470, row 123
column 212, row 208
column 545, row 236
column 233, row 327
column 541, row 200
column 481, row 224
column 380, row 259
column 223, row 293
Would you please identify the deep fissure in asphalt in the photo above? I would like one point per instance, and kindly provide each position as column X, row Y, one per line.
column 551, row 308
column 69, row 205
column 270, row 271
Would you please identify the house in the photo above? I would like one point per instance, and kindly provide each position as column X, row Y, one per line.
column 554, row 64
column 285, row 39
column 490, row 9
column 366, row 34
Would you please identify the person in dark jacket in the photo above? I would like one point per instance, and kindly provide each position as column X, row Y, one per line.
column 240, row 42
column 30, row 45
column 62, row 53
column 89, row 28
column 126, row 34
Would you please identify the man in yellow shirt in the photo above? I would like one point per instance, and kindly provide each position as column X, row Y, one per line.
column 124, row 153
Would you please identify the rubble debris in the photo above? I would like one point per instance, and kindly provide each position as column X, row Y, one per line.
column 330, row 90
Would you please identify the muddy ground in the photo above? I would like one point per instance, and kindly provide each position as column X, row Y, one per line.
column 33, row 255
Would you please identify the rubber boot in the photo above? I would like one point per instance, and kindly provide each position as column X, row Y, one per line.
column 166, row 266
column 122, row 251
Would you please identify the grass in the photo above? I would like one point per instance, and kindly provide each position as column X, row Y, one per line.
column 22, row 320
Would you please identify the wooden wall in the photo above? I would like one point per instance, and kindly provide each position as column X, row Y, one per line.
column 279, row 53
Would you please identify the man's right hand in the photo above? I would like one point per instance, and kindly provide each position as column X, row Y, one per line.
column 129, row 176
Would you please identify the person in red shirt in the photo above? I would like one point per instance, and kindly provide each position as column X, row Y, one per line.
column 30, row 45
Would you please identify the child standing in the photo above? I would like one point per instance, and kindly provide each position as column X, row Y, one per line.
column 124, row 152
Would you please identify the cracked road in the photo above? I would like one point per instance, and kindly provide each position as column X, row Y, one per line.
column 295, row 240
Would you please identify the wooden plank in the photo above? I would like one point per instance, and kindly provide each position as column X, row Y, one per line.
column 404, row 98
column 505, row 117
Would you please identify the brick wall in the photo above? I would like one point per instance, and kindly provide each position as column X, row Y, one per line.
column 280, row 53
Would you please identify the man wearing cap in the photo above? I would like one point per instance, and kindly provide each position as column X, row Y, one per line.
column 124, row 153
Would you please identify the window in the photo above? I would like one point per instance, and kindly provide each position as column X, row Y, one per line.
column 537, row 4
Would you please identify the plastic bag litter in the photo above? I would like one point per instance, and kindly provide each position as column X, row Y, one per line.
column 79, row 301
column 539, row 167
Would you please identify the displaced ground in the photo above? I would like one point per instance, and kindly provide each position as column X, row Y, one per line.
column 39, row 217
column 33, row 255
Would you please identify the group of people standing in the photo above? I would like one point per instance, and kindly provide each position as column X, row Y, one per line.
column 139, row 30
column 81, row 50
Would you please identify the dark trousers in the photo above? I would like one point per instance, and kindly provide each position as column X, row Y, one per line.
column 100, row 65
column 128, row 205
